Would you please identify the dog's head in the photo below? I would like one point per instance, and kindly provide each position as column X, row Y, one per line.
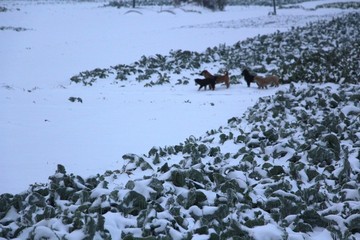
column 248, row 77
column 197, row 81
column 206, row 74
column 245, row 72
column 203, row 72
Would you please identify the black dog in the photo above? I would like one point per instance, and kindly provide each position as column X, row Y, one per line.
column 206, row 81
column 249, row 78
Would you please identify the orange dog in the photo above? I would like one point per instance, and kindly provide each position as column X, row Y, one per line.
column 262, row 82
column 219, row 79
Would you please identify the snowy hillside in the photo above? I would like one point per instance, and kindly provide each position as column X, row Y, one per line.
column 140, row 153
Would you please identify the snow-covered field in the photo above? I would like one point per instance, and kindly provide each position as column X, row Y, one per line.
column 40, row 127
column 168, row 160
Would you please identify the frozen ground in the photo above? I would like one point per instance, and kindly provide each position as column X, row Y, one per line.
column 40, row 128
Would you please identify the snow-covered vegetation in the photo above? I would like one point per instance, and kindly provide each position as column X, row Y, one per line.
column 327, row 51
column 286, row 168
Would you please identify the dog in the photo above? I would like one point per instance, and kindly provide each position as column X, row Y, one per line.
column 249, row 78
column 263, row 82
column 205, row 82
column 218, row 79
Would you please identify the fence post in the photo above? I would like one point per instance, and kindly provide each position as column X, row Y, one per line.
column 274, row 4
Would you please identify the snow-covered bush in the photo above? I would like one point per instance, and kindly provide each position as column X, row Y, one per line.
column 342, row 5
column 3, row 9
column 291, row 171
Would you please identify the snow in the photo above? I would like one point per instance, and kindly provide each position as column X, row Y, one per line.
column 175, row 234
column 43, row 232
column 40, row 128
column 321, row 234
column 266, row 232
column 11, row 215
column 350, row 110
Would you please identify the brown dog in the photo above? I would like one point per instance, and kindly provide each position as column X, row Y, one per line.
column 219, row 79
column 263, row 82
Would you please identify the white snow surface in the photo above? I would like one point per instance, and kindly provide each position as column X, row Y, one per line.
column 40, row 127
